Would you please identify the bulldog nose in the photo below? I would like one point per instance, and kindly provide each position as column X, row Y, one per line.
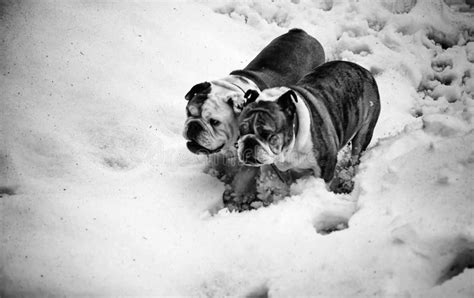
column 248, row 154
column 249, row 159
column 193, row 130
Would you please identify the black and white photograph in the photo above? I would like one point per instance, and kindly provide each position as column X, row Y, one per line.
column 237, row 148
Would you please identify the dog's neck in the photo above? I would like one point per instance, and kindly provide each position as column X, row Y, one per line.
column 242, row 83
column 303, row 131
column 302, row 143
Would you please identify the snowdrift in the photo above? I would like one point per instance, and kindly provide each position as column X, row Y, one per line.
column 99, row 195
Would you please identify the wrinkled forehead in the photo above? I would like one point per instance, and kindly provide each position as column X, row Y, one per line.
column 268, row 118
column 215, row 107
column 212, row 103
column 266, row 121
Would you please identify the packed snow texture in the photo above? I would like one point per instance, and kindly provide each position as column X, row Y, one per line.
column 99, row 195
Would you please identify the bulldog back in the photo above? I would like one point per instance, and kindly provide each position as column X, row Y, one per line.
column 285, row 60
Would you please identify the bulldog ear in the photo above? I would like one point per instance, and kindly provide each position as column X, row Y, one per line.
column 287, row 101
column 238, row 103
column 204, row 88
column 251, row 96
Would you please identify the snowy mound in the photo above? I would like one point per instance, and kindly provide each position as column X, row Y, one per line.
column 100, row 197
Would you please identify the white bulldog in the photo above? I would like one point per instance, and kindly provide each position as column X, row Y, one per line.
column 212, row 110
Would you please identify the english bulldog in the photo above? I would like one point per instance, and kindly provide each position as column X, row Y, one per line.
column 213, row 107
column 303, row 127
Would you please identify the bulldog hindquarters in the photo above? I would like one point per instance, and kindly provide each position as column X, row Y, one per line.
column 303, row 127
column 213, row 106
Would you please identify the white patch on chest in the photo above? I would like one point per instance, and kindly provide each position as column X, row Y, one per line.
column 301, row 155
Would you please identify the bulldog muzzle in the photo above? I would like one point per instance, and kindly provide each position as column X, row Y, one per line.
column 194, row 128
column 198, row 138
column 253, row 152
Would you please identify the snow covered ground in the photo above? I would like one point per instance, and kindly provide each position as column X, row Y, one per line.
column 99, row 195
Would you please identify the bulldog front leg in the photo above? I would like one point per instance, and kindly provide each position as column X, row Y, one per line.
column 342, row 182
column 272, row 185
column 240, row 193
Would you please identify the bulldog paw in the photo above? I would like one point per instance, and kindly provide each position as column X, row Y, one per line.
column 271, row 188
column 354, row 161
column 235, row 201
column 343, row 182
column 268, row 194
column 227, row 195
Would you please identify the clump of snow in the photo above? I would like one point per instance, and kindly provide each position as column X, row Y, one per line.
column 445, row 125
column 99, row 195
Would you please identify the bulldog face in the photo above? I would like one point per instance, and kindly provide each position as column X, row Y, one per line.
column 266, row 129
column 212, row 117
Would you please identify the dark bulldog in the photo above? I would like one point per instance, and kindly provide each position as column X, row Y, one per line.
column 303, row 127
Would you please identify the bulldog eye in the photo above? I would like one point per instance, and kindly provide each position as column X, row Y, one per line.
column 274, row 140
column 244, row 127
column 214, row 122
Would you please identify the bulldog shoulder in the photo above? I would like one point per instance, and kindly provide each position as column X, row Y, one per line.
column 301, row 157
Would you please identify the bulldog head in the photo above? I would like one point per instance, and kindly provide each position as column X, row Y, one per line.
column 267, row 127
column 212, row 111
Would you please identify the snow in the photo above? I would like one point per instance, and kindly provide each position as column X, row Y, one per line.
column 100, row 197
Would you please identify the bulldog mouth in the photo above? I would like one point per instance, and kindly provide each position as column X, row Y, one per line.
column 253, row 162
column 195, row 148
